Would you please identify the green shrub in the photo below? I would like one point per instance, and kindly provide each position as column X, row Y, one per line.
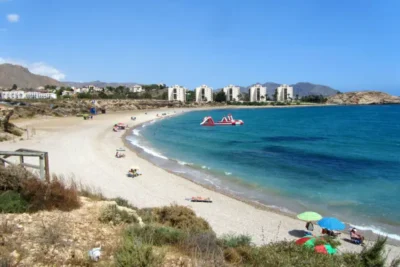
column 334, row 242
column 12, row 202
column 148, row 215
column 156, row 234
column 123, row 203
column 373, row 256
column 233, row 241
column 182, row 218
column 135, row 253
column 111, row 213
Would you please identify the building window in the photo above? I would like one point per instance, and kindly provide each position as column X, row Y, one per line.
column 258, row 94
column 203, row 94
column 174, row 94
column 285, row 94
column 230, row 94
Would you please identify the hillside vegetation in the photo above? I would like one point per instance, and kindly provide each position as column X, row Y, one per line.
column 56, row 223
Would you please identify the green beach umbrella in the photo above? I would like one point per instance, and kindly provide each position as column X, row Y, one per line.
column 309, row 216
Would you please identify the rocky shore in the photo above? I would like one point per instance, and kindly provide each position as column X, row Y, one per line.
column 363, row 98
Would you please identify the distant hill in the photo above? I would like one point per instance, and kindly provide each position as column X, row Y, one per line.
column 98, row 84
column 13, row 74
column 301, row 89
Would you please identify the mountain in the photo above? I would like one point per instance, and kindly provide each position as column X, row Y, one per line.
column 13, row 74
column 305, row 88
column 98, row 84
column 301, row 89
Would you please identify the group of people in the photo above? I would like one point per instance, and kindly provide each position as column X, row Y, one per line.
column 133, row 173
column 355, row 236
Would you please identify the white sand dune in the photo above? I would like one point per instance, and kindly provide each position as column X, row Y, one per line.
column 86, row 149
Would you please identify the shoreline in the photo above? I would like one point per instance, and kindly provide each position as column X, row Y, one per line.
column 91, row 144
column 369, row 234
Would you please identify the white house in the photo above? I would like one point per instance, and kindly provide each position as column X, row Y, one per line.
column 285, row 92
column 232, row 92
column 204, row 93
column 137, row 88
column 27, row 95
column 258, row 93
column 13, row 95
column 67, row 93
column 177, row 93
column 40, row 88
column 39, row 95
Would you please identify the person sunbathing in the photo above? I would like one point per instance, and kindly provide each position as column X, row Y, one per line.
column 330, row 232
column 355, row 236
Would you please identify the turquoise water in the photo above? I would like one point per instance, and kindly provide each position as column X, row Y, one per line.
column 341, row 161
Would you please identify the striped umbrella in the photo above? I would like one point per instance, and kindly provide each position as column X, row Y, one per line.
column 308, row 241
column 325, row 249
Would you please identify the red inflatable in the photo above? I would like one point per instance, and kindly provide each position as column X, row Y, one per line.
column 228, row 120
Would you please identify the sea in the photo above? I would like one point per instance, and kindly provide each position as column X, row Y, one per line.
column 340, row 161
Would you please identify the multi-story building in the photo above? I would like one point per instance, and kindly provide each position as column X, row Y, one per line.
column 284, row 93
column 13, row 95
column 27, row 95
column 232, row 92
column 258, row 93
column 204, row 93
column 177, row 93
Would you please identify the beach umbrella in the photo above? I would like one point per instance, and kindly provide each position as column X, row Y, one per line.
column 325, row 249
column 309, row 216
column 308, row 241
column 331, row 223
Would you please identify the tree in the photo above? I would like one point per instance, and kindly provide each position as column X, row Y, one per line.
column 276, row 94
column 190, row 96
column 14, row 87
column 147, row 95
column 297, row 96
column 220, row 96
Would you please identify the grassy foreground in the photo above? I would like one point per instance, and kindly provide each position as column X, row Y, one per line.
column 55, row 223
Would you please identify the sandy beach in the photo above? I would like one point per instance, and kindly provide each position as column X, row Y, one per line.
column 85, row 150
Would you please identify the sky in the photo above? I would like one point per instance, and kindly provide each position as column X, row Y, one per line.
column 348, row 45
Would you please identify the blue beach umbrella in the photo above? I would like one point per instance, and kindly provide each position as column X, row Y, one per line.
column 331, row 224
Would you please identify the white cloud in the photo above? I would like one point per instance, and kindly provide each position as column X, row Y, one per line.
column 40, row 68
column 13, row 18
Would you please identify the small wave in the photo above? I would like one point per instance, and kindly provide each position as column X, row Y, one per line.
column 184, row 163
column 228, row 173
column 148, row 150
column 136, row 132
column 179, row 171
column 205, row 167
column 376, row 230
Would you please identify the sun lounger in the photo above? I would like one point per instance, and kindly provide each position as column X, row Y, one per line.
column 201, row 199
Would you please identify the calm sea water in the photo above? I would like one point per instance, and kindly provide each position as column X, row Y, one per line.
column 340, row 161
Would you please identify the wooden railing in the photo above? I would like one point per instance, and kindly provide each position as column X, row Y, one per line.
column 43, row 166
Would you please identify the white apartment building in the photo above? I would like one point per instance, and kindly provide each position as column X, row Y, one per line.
column 94, row 88
column 136, row 89
column 177, row 93
column 38, row 95
column 27, row 95
column 204, row 93
column 13, row 95
column 285, row 92
column 232, row 92
column 258, row 93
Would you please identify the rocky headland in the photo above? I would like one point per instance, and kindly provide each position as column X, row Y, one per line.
column 363, row 98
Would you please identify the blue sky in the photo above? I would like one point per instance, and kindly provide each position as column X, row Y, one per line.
column 349, row 45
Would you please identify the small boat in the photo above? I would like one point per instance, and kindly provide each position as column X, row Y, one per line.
column 228, row 120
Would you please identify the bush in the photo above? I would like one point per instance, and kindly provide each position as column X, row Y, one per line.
column 123, row 203
column 135, row 253
column 12, row 176
column 233, row 241
column 182, row 218
column 111, row 213
column 12, row 202
column 156, row 235
column 43, row 195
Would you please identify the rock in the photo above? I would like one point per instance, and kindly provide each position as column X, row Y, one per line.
column 363, row 98
column 15, row 255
